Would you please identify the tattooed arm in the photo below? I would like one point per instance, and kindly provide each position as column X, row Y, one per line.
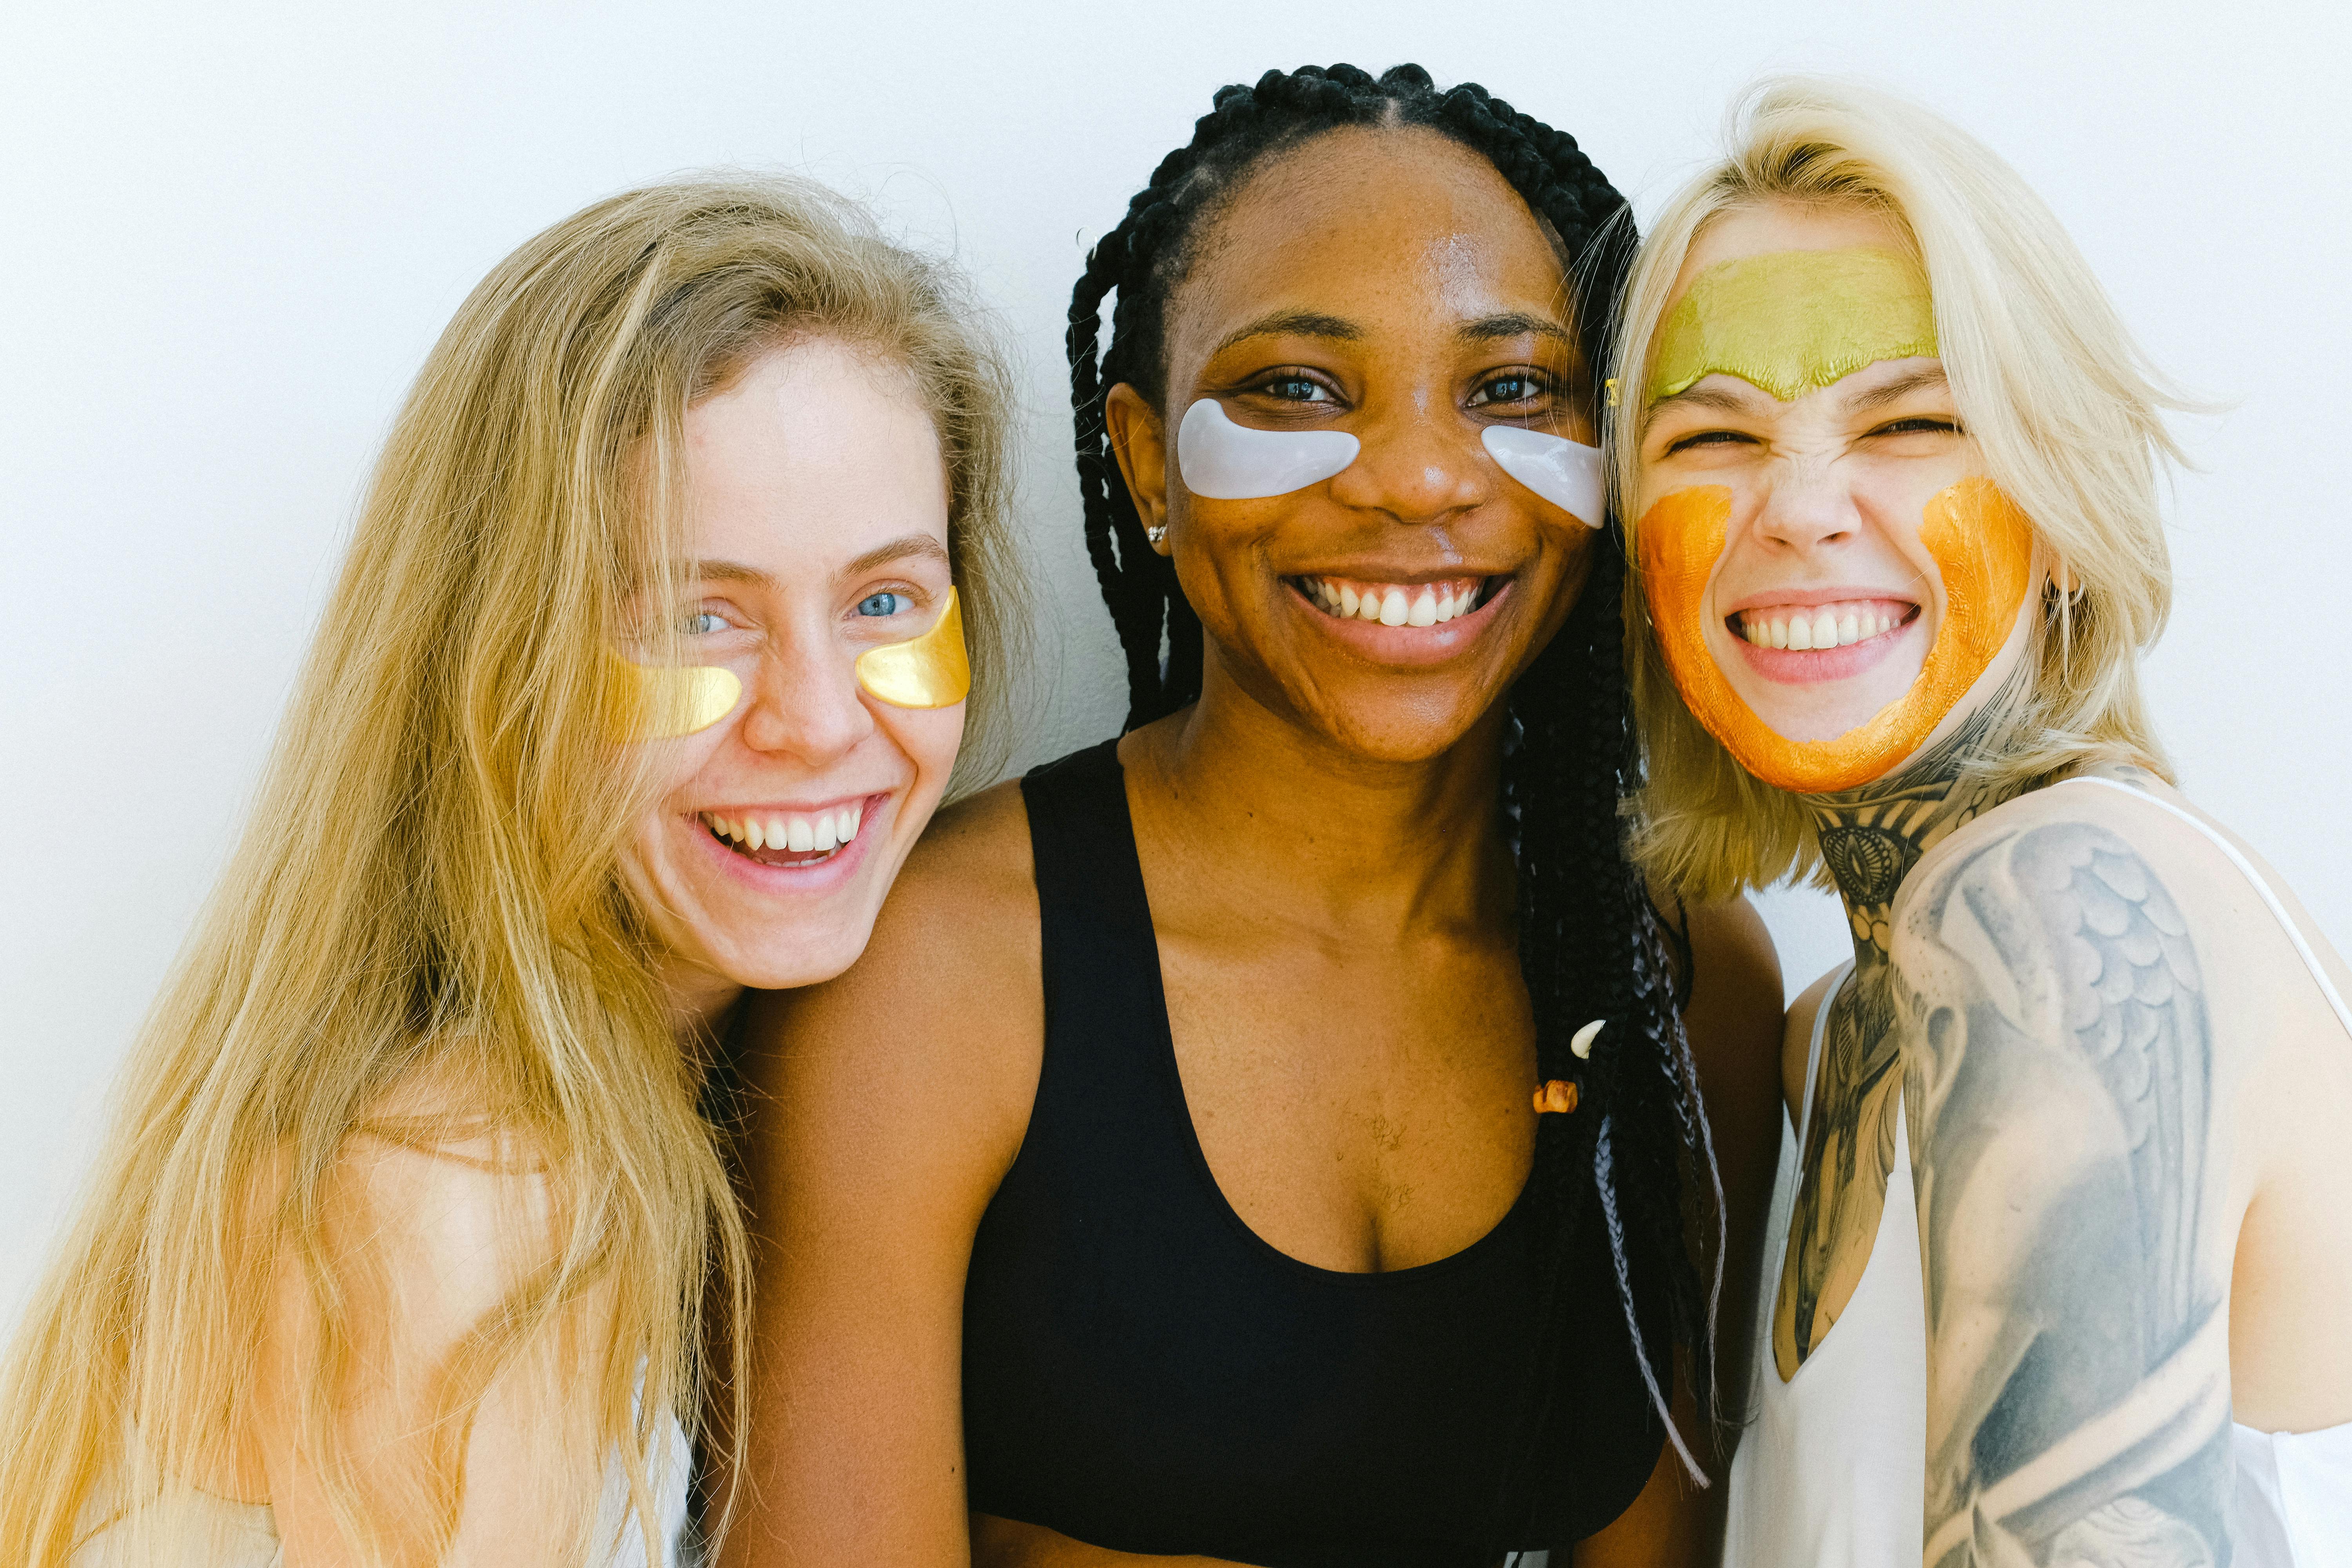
column 2059, row 1073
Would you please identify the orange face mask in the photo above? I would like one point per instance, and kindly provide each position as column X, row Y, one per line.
column 1979, row 541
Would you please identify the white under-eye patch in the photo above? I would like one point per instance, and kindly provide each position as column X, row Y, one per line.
column 1565, row 473
column 1225, row 461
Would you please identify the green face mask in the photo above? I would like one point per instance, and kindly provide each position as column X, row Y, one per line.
column 1794, row 321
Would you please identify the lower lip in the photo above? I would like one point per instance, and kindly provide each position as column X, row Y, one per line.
column 1403, row 645
column 1791, row 666
column 813, row 880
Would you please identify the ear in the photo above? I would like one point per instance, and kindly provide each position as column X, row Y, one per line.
column 1140, row 440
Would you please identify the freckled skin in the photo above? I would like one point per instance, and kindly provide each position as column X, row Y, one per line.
column 812, row 457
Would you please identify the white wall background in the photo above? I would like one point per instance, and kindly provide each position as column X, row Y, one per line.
column 232, row 231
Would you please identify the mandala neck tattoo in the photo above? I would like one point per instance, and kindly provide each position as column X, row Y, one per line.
column 1872, row 835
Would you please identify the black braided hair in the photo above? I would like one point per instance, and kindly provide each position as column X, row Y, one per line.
column 1591, row 944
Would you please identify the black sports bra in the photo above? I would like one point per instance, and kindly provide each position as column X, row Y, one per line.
column 1143, row 1373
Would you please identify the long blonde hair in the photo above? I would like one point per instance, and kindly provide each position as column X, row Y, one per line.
column 428, row 885
column 2065, row 407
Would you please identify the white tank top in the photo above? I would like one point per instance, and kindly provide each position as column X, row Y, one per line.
column 189, row 1529
column 1833, row 1472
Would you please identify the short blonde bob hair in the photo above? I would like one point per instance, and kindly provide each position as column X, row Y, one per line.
column 2065, row 407
column 424, row 938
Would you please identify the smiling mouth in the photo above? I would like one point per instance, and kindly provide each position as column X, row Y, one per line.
column 789, row 839
column 1803, row 627
column 1394, row 604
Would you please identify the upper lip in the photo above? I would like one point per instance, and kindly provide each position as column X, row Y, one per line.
column 769, row 809
column 1807, row 598
column 1417, row 576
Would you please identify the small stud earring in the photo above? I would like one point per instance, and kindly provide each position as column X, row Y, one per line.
column 1612, row 384
column 1157, row 533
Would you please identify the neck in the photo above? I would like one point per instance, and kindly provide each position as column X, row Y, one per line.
column 1288, row 819
column 1871, row 836
column 696, row 1001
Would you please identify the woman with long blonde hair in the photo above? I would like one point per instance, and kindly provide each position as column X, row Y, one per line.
column 413, row 1240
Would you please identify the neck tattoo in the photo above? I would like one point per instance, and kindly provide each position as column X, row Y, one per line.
column 1871, row 838
column 1871, row 835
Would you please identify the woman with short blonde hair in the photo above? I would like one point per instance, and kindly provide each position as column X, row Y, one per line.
column 2066, row 1244
column 2066, row 406
column 412, row 1235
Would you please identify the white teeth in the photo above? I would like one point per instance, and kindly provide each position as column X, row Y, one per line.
column 821, row 834
column 797, row 836
column 851, row 817
column 753, row 835
column 1830, row 626
column 1401, row 605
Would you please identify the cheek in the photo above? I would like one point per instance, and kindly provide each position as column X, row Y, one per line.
column 928, row 738
column 1682, row 538
column 1983, row 547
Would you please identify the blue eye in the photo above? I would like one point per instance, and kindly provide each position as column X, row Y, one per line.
column 702, row 623
column 881, row 605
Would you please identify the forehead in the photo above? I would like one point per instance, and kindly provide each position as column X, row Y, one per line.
column 1368, row 223
column 1771, row 228
column 814, row 447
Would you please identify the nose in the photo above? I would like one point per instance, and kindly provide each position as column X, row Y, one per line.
column 1807, row 507
column 1417, row 465
column 805, row 704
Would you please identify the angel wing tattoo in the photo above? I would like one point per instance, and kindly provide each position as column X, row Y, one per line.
column 2059, row 1074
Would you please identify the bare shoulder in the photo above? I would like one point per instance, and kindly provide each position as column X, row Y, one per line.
column 928, row 1048
column 2109, row 866
column 1733, row 1024
column 1734, row 999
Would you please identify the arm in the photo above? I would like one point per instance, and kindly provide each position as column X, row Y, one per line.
column 2059, row 1081
column 888, row 1104
column 1734, row 1021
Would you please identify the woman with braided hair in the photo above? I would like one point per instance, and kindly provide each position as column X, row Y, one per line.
column 1224, row 1221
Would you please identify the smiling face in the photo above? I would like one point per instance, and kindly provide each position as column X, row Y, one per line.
column 1391, row 286
column 817, row 531
column 1833, row 583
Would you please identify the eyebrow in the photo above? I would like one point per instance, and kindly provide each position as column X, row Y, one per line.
column 1512, row 324
column 1901, row 387
column 1291, row 323
column 913, row 544
column 1701, row 395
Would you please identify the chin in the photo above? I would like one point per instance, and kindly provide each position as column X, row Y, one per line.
column 787, row 959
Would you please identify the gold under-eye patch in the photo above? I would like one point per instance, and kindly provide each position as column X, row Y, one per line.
column 654, row 702
column 1794, row 321
column 929, row 671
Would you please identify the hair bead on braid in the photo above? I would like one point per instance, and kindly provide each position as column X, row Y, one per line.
column 1592, row 946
